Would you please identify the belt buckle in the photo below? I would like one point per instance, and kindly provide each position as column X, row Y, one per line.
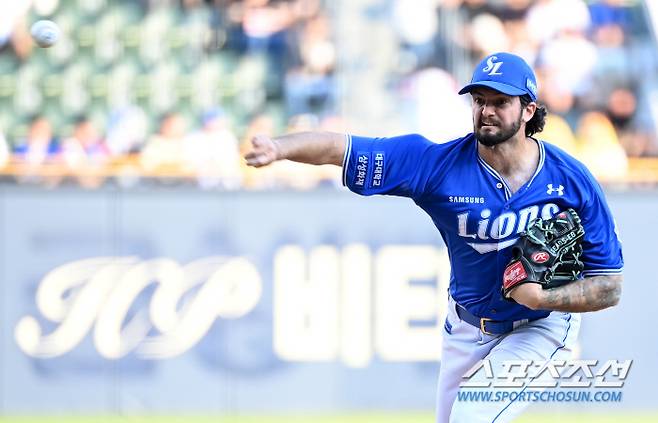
column 483, row 321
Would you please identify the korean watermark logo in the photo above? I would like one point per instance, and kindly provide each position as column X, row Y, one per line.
column 548, row 374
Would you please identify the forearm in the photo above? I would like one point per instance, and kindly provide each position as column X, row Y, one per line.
column 589, row 294
column 312, row 147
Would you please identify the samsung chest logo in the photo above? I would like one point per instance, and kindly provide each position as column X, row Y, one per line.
column 486, row 227
column 464, row 199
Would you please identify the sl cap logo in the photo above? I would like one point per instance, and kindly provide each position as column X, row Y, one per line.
column 551, row 190
column 492, row 66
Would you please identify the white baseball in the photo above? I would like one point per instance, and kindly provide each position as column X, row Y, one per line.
column 45, row 33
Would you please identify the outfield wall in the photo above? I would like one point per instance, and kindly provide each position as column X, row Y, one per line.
column 172, row 300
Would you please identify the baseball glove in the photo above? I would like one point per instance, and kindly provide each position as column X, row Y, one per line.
column 547, row 253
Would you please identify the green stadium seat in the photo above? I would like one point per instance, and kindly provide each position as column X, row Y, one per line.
column 28, row 98
column 75, row 97
column 97, row 85
column 91, row 8
column 154, row 30
column 121, row 84
column 7, row 87
column 107, row 45
column 162, row 81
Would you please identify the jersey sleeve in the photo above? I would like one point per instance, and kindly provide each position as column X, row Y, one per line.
column 602, row 252
column 392, row 166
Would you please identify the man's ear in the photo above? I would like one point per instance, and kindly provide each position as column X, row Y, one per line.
column 529, row 111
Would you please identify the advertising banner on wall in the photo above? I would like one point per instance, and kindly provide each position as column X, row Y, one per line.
column 172, row 300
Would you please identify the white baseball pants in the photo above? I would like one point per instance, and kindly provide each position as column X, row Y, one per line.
column 553, row 337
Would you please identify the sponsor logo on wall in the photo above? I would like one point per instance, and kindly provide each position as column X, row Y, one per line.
column 327, row 304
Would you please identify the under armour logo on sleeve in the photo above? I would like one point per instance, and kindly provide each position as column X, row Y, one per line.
column 551, row 190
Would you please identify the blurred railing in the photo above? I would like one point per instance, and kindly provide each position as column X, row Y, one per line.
column 127, row 171
column 642, row 171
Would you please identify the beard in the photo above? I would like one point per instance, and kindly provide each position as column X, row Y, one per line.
column 489, row 140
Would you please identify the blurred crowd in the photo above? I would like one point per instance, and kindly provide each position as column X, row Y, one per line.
column 208, row 155
column 174, row 89
column 595, row 61
column 162, row 89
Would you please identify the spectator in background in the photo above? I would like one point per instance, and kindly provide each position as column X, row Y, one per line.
column 265, row 23
column 164, row 151
column 126, row 130
column 635, row 129
column 488, row 36
column 513, row 14
column 86, row 146
column 469, row 10
column 12, row 14
column 546, row 19
column 266, row 28
column 310, row 86
column 609, row 12
column 416, row 23
column 261, row 123
column 570, row 58
column 14, row 32
column 85, row 153
column 599, row 148
column 559, row 28
column 558, row 132
column 559, row 100
column 614, row 67
column 195, row 19
column 431, row 105
column 514, row 10
column 212, row 153
column 4, row 150
column 39, row 146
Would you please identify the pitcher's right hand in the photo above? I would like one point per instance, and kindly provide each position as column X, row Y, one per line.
column 264, row 150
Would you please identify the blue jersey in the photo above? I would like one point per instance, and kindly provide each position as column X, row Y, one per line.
column 476, row 213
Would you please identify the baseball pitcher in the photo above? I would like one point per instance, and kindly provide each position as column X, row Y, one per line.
column 531, row 240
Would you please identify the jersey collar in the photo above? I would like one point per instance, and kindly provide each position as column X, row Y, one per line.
column 496, row 175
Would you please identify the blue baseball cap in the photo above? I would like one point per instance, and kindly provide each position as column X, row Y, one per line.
column 504, row 72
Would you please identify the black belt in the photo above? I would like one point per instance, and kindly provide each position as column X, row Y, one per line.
column 489, row 326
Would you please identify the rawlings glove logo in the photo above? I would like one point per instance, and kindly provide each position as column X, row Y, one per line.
column 549, row 247
column 540, row 257
column 514, row 274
